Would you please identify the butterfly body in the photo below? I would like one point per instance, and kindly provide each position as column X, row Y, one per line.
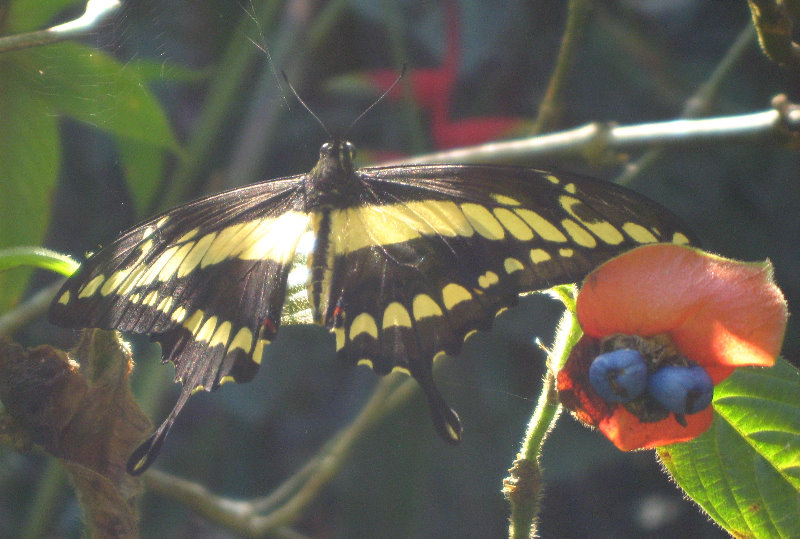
column 406, row 262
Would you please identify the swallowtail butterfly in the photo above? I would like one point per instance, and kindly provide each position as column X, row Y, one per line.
column 407, row 261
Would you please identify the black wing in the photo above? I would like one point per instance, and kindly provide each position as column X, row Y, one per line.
column 433, row 253
column 207, row 280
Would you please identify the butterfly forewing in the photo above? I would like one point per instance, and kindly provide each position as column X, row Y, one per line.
column 406, row 262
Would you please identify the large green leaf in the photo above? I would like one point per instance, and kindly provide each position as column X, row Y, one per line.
column 745, row 470
column 29, row 162
column 30, row 15
column 93, row 87
column 36, row 86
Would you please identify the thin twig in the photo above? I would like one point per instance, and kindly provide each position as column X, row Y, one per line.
column 96, row 12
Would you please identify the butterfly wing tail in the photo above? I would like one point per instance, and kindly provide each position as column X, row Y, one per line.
column 144, row 455
column 445, row 419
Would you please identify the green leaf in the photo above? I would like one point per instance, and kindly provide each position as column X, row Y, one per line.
column 93, row 87
column 144, row 167
column 37, row 257
column 30, row 15
column 29, row 162
column 745, row 470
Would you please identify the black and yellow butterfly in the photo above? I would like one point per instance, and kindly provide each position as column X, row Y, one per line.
column 406, row 262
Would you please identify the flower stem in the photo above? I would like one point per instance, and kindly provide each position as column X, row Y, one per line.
column 524, row 487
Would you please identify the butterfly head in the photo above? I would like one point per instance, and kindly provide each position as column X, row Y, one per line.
column 341, row 151
column 331, row 181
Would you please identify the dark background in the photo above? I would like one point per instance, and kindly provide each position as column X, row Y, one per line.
column 637, row 62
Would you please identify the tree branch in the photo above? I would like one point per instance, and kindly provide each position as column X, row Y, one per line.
column 277, row 512
column 783, row 120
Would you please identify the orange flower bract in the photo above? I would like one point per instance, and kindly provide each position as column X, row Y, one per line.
column 717, row 312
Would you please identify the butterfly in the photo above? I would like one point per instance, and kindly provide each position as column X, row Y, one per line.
column 405, row 263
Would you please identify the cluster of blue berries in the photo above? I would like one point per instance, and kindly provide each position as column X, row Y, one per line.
column 623, row 375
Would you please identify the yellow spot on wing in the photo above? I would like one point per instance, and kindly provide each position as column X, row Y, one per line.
column 150, row 298
column 166, row 305
column 399, row 368
column 441, row 217
column 512, row 264
column 578, row 234
column 172, row 264
column 570, row 188
column 357, row 228
column 363, row 323
column 396, row 315
column 91, row 287
column 483, row 221
column 602, row 229
column 221, row 335
column 152, row 271
column 179, row 314
column 339, row 333
column 639, row 233
column 64, row 299
column 194, row 321
column 504, row 199
column 276, row 239
column 230, row 240
column 361, row 227
column 113, row 282
column 207, row 330
column 566, row 253
column 453, row 294
column 539, row 255
column 196, row 254
column 552, row 179
column 680, row 239
column 423, row 306
column 488, row 279
column 132, row 279
column 366, row 362
column 242, row 341
column 258, row 353
column 541, row 226
column 513, row 224
column 189, row 235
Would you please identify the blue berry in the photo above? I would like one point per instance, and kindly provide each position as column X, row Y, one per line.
column 681, row 390
column 619, row 375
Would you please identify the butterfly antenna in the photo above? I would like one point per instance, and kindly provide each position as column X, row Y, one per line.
column 384, row 94
column 300, row 100
column 251, row 13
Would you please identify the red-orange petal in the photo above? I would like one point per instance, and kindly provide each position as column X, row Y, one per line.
column 628, row 432
column 719, row 312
